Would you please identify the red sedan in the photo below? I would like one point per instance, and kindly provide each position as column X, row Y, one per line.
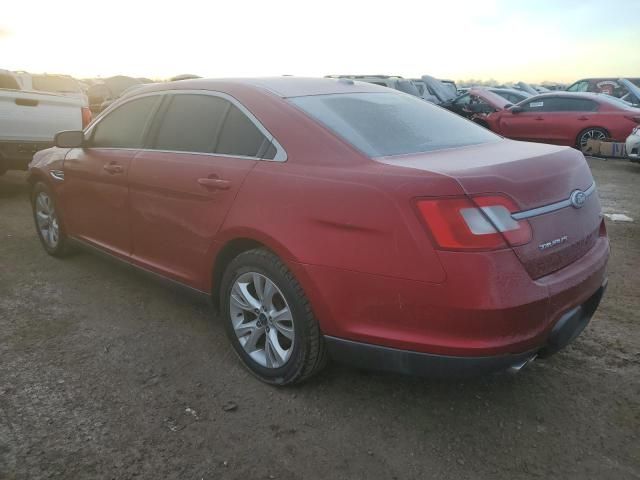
column 564, row 118
column 332, row 218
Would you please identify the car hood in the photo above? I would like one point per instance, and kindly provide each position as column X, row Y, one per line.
column 493, row 99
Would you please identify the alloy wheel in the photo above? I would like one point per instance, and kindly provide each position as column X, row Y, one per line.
column 262, row 320
column 593, row 134
column 47, row 220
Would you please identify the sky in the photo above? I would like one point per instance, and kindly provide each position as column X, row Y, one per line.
column 533, row 41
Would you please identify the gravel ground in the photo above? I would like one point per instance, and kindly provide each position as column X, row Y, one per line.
column 107, row 374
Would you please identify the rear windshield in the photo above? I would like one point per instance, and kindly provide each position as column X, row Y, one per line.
column 385, row 124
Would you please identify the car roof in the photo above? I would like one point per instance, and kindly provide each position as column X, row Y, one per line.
column 284, row 87
column 598, row 79
column 562, row 93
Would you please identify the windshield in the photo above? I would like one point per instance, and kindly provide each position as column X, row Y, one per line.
column 385, row 124
column 47, row 83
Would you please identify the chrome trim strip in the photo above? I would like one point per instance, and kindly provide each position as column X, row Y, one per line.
column 57, row 175
column 552, row 207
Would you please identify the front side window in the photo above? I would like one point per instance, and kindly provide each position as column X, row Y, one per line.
column 385, row 124
column 125, row 126
column 191, row 123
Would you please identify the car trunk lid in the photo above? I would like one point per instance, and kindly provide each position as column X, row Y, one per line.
column 540, row 179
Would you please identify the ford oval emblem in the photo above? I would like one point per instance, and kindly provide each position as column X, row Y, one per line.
column 578, row 198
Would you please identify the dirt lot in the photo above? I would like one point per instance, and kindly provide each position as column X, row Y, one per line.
column 106, row 374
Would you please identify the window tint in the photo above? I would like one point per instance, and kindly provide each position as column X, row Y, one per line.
column 562, row 104
column 239, row 136
column 124, row 127
column 191, row 123
column 383, row 124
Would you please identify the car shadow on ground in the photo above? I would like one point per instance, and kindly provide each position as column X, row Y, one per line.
column 13, row 184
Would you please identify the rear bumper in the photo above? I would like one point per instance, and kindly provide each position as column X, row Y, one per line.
column 406, row 362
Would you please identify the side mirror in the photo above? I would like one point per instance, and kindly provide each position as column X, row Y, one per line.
column 516, row 109
column 69, row 139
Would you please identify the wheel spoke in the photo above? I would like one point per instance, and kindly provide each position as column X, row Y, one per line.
column 278, row 353
column 267, row 294
column 243, row 329
column 286, row 330
column 42, row 219
column 250, row 345
column 258, row 284
column 249, row 300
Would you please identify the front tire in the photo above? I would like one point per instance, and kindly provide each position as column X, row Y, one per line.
column 268, row 319
column 47, row 220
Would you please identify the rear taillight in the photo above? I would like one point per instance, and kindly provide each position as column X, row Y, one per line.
column 477, row 223
column 86, row 116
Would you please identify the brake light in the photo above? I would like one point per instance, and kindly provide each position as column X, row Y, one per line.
column 86, row 116
column 477, row 223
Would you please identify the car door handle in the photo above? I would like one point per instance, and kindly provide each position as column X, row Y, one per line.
column 213, row 183
column 113, row 168
column 583, row 118
column 539, row 118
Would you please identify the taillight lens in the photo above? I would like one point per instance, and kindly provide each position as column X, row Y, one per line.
column 86, row 116
column 477, row 223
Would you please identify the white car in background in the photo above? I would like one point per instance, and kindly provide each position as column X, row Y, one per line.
column 29, row 120
column 58, row 84
column 633, row 145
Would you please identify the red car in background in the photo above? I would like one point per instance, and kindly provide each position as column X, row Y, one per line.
column 565, row 118
column 333, row 218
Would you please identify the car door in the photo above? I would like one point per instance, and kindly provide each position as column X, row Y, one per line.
column 202, row 147
column 530, row 123
column 96, row 193
column 565, row 118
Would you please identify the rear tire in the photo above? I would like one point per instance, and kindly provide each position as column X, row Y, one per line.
column 269, row 320
column 46, row 216
column 592, row 133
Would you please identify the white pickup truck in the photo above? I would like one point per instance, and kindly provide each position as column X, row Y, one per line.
column 29, row 120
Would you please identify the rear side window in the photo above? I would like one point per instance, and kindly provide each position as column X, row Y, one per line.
column 125, row 126
column 191, row 123
column 239, row 135
column 385, row 124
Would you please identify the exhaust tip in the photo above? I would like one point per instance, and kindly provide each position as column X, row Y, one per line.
column 516, row 367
